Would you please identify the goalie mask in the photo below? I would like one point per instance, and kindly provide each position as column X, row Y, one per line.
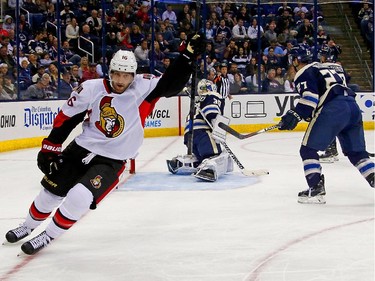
column 205, row 87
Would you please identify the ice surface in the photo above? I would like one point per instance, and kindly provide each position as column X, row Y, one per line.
column 163, row 227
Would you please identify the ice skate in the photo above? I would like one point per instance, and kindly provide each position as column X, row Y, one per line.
column 206, row 175
column 35, row 244
column 15, row 235
column 313, row 195
column 173, row 165
column 370, row 179
column 330, row 155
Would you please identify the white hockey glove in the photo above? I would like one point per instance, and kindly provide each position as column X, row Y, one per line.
column 218, row 134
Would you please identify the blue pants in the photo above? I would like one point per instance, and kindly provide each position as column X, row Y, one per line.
column 204, row 146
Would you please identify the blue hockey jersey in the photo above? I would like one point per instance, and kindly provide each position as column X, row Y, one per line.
column 317, row 84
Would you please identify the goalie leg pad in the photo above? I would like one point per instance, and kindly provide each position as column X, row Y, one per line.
column 212, row 168
column 218, row 133
column 182, row 164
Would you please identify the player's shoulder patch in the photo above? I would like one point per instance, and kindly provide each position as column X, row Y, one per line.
column 148, row 76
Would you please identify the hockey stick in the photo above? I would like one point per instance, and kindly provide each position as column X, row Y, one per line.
column 233, row 156
column 231, row 131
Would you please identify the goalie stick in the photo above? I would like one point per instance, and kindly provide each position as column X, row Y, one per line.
column 244, row 171
column 236, row 134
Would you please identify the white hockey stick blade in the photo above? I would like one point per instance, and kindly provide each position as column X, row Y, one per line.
column 253, row 173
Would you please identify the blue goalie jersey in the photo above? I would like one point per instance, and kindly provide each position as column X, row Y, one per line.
column 317, row 84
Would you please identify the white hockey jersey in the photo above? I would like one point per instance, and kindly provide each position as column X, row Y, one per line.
column 113, row 124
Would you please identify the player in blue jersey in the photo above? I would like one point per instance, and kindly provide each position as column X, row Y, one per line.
column 208, row 161
column 331, row 110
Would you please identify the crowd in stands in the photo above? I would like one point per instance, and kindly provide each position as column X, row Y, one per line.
column 363, row 14
column 256, row 53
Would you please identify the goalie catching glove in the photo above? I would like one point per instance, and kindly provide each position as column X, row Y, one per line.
column 289, row 121
column 218, row 134
column 196, row 45
column 49, row 157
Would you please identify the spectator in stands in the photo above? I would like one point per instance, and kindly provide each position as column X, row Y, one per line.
column 141, row 53
column 270, row 10
column 210, row 32
column 33, row 64
column 38, row 90
column 228, row 20
column 273, row 61
column 124, row 39
column 214, row 19
column 258, row 79
column 250, row 68
column 40, row 71
column 72, row 33
column 239, row 32
column 136, row 36
column 230, row 50
column 66, row 15
column 364, row 13
column 85, row 44
column 90, row 73
column 124, row 14
column 211, row 73
column 4, row 95
column 300, row 8
column 289, row 86
column 181, row 16
column 241, row 59
column 9, row 23
column 4, row 69
column 142, row 16
column 51, row 18
column 95, row 23
column 286, row 20
column 270, row 34
column 305, row 31
column 9, row 86
column 75, row 79
column 45, row 60
column 270, row 84
column 53, row 72
column 65, row 88
column 68, row 55
column 232, row 70
column 164, row 45
column 165, row 64
column 169, row 14
column 330, row 52
column 83, row 66
column 237, row 86
column 156, row 57
column 322, row 37
column 244, row 16
column 225, row 30
column 252, row 33
column 24, row 74
column 156, row 15
column 38, row 44
column 219, row 47
column 168, row 36
column 284, row 7
column 279, row 77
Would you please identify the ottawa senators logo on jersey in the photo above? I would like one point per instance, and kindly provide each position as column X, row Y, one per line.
column 96, row 182
column 111, row 124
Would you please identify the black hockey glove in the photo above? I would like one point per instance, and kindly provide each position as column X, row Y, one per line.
column 196, row 45
column 49, row 157
column 289, row 121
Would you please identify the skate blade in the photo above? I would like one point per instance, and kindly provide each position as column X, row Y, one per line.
column 329, row 160
column 319, row 199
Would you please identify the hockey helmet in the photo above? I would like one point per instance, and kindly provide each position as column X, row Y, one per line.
column 123, row 61
column 205, row 86
column 302, row 52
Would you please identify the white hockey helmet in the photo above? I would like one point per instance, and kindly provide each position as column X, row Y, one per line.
column 205, row 86
column 123, row 61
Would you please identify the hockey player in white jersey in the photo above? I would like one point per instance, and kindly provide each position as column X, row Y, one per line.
column 208, row 161
column 113, row 112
